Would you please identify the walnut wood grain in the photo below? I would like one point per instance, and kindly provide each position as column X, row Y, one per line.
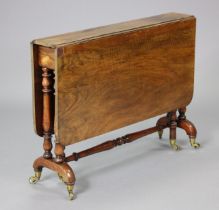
column 108, row 83
column 42, row 57
column 37, row 91
column 109, row 77
column 117, row 75
column 109, row 30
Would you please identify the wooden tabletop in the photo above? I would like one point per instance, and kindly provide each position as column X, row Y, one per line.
column 85, row 35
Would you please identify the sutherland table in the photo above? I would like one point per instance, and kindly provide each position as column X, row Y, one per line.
column 94, row 81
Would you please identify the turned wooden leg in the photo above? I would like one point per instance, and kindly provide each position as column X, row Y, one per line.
column 59, row 152
column 47, row 124
column 59, row 159
column 173, row 125
column 162, row 123
column 188, row 126
column 47, row 84
column 47, row 146
column 58, row 165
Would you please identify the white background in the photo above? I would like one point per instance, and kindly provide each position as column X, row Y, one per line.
column 143, row 175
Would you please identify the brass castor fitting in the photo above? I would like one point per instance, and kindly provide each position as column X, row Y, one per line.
column 70, row 192
column 34, row 179
column 194, row 144
column 173, row 145
column 60, row 177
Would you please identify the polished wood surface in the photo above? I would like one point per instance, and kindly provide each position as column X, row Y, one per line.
column 128, row 138
column 48, row 110
column 173, row 125
column 90, row 82
column 185, row 124
column 170, row 121
column 63, row 169
column 119, row 78
column 122, row 79
column 109, row 30
column 37, row 91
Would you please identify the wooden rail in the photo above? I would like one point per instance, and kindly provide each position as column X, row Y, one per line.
column 110, row 144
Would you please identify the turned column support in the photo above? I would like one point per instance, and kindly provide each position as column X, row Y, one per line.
column 47, row 89
column 63, row 170
column 172, row 121
column 59, row 152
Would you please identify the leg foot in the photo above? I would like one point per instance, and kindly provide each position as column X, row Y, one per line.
column 34, row 179
column 160, row 134
column 188, row 127
column 194, row 144
column 64, row 171
column 173, row 145
column 70, row 192
column 59, row 151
